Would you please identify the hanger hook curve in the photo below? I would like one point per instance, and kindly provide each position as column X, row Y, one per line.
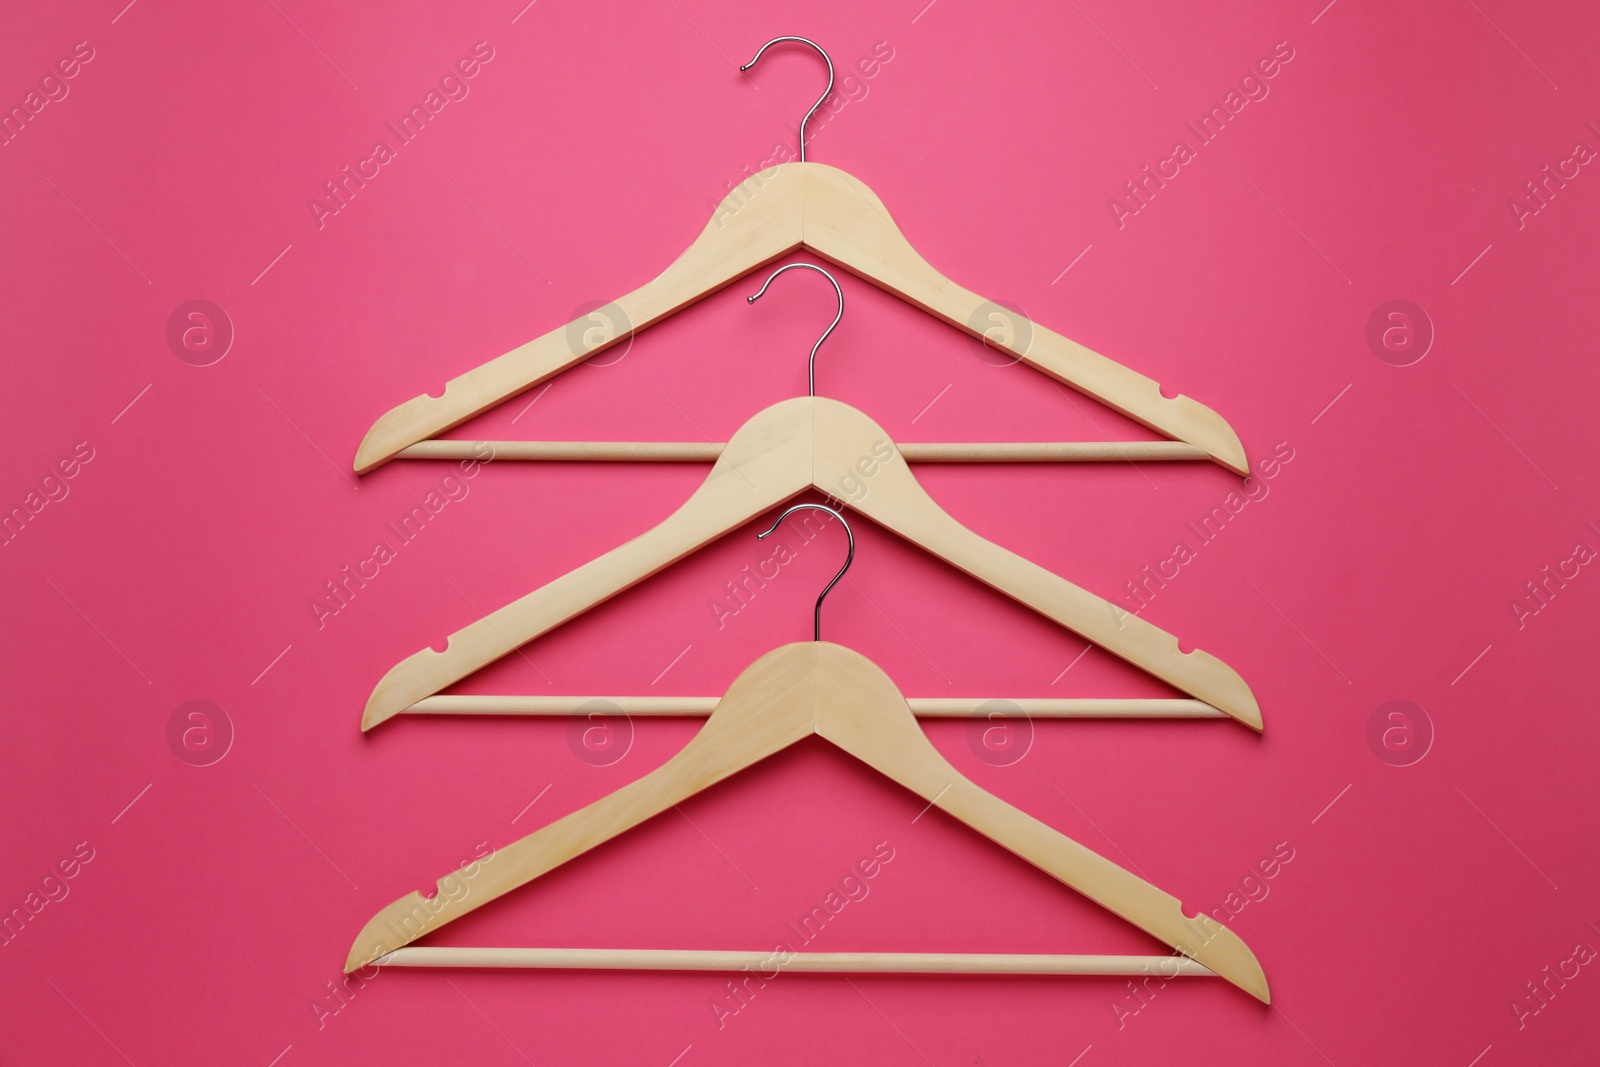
column 811, row 366
column 816, row 618
column 820, row 99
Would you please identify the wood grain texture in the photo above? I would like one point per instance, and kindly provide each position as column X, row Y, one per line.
column 787, row 695
column 793, row 446
column 650, row 959
column 768, row 216
column 921, row 707
column 708, row 451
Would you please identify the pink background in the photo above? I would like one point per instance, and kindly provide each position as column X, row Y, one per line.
column 181, row 565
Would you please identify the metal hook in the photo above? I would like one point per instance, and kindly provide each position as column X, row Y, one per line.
column 811, row 372
column 848, row 559
column 820, row 99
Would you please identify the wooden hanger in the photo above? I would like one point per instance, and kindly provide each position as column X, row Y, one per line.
column 813, row 206
column 921, row 707
column 788, row 695
column 793, row 446
column 789, row 448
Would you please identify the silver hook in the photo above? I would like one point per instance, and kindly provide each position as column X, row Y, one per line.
column 825, row 93
column 816, row 619
column 812, row 364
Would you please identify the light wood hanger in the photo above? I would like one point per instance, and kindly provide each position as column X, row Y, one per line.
column 788, row 695
column 921, row 707
column 795, row 445
column 771, row 214
column 789, row 448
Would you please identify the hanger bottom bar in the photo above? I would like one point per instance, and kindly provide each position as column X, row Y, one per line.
column 646, row 959
column 922, row 707
column 708, row 451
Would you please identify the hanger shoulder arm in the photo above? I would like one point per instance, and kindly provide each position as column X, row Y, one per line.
column 847, row 224
column 756, row 224
column 863, row 713
column 1153, row 910
column 914, row 515
column 767, row 708
column 765, row 463
column 507, row 868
